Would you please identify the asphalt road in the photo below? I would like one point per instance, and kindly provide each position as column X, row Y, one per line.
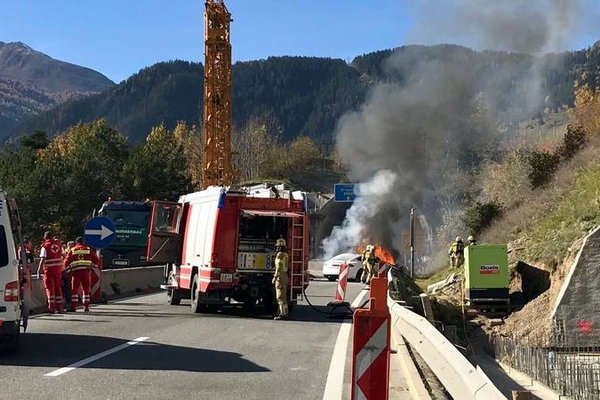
column 155, row 351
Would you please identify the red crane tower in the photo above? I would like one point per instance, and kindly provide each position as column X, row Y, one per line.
column 218, row 166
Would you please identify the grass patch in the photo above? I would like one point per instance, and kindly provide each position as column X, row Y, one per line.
column 572, row 217
column 547, row 221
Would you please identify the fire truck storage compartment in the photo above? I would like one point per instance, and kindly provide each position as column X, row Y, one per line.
column 259, row 230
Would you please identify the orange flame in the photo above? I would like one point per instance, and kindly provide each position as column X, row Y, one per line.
column 384, row 254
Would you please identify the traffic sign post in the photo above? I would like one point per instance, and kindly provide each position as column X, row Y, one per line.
column 344, row 192
column 99, row 232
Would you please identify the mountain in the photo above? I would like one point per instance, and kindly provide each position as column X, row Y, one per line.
column 32, row 82
column 308, row 95
column 299, row 96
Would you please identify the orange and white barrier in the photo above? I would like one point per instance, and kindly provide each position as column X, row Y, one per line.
column 340, row 291
column 371, row 346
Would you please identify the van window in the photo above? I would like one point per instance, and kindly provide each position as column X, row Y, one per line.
column 3, row 248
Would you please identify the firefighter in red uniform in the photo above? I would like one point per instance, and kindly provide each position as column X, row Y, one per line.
column 51, row 263
column 79, row 262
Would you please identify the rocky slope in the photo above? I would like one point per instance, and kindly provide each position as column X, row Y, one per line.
column 32, row 82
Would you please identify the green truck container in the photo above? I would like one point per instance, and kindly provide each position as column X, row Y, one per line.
column 486, row 276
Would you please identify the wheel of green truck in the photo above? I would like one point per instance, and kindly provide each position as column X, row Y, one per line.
column 195, row 301
column 173, row 295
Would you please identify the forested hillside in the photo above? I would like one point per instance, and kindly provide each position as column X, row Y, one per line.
column 305, row 96
column 298, row 95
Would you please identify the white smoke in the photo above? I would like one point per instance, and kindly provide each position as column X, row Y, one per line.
column 371, row 196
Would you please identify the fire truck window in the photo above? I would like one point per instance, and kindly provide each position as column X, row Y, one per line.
column 263, row 227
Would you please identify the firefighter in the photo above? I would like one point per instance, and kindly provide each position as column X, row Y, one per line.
column 457, row 253
column 368, row 260
column 66, row 277
column 280, row 278
column 79, row 262
column 51, row 262
column 471, row 241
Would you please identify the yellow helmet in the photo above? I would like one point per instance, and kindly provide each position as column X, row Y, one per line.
column 280, row 242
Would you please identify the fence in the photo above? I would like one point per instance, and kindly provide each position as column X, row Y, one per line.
column 570, row 371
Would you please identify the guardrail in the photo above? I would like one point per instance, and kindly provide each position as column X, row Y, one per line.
column 460, row 378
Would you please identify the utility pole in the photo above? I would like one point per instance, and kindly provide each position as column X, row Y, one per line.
column 412, row 243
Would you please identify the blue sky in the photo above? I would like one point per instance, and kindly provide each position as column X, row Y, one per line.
column 119, row 37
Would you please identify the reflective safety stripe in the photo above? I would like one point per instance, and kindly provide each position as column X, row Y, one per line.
column 81, row 251
column 53, row 262
column 368, row 354
column 87, row 263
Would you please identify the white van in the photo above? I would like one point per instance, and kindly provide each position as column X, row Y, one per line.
column 11, row 291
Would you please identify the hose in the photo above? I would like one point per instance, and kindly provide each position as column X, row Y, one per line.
column 345, row 305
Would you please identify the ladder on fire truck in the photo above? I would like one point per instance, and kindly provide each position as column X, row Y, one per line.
column 297, row 273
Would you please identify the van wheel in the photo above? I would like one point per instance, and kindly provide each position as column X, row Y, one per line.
column 195, row 303
column 331, row 278
column 173, row 295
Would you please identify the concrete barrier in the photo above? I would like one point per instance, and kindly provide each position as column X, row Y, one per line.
column 115, row 283
column 455, row 372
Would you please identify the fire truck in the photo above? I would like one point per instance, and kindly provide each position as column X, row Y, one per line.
column 219, row 245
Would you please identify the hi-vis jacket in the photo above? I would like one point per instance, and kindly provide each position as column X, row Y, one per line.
column 368, row 257
column 456, row 248
column 52, row 253
column 81, row 257
column 281, row 264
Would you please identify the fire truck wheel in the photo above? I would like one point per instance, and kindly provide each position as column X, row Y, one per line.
column 195, row 301
column 270, row 304
column 249, row 304
column 173, row 295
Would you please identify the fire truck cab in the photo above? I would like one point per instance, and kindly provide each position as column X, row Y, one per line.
column 219, row 245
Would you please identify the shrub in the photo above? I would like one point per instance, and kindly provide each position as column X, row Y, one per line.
column 573, row 141
column 479, row 215
column 542, row 166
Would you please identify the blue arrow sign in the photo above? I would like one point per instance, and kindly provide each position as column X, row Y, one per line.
column 99, row 232
column 344, row 192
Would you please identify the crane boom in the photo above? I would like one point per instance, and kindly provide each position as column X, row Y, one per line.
column 218, row 165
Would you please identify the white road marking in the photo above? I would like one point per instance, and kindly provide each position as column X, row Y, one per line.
column 96, row 357
column 334, row 388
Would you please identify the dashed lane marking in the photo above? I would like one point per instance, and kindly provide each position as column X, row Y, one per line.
column 98, row 356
